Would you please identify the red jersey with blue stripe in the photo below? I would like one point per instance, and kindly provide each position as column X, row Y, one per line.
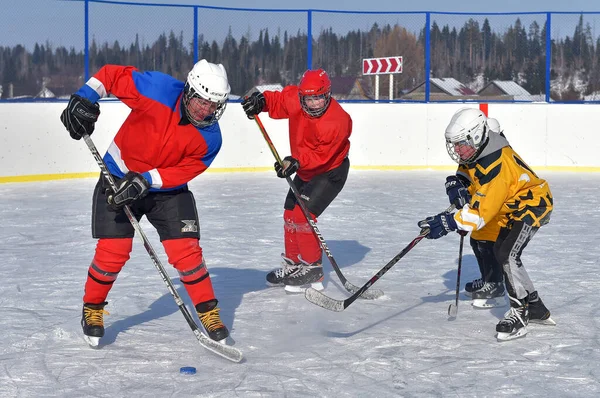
column 155, row 140
column 319, row 144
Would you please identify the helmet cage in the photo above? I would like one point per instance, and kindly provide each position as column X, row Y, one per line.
column 463, row 149
column 307, row 100
column 190, row 93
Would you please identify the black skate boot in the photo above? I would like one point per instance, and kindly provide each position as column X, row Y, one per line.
column 490, row 295
column 470, row 287
column 538, row 313
column 275, row 277
column 514, row 324
column 208, row 313
column 92, row 322
column 306, row 275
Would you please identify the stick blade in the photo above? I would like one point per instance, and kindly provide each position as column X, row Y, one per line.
column 226, row 351
column 318, row 298
column 371, row 294
column 452, row 311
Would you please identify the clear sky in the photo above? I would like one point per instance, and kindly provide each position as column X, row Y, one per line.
column 403, row 5
column 61, row 22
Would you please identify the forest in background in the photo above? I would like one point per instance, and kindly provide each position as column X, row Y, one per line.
column 470, row 52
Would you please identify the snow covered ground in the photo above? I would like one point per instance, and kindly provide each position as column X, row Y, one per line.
column 400, row 345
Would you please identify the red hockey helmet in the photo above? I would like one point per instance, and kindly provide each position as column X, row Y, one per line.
column 315, row 92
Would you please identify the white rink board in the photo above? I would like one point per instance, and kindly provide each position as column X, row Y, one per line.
column 33, row 140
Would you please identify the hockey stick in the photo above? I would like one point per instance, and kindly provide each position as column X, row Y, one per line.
column 347, row 285
column 318, row 298
column 227, row 352
column 453, row 308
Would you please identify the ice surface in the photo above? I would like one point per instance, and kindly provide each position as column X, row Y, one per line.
column 399, row 345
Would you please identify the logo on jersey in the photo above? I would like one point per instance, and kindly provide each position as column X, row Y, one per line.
column 189, row 226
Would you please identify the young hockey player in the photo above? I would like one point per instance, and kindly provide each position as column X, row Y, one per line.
column 488, row 290
column 318, row 130
column 171, row 136
column 505, row 189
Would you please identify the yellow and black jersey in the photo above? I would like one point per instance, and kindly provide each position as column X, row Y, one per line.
column 503, row 188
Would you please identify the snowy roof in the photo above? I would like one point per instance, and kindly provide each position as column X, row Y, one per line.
column 511, row 88
column 269, row 87
column 45, row 93
column 451, row 86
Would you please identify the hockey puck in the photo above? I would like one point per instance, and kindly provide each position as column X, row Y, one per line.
column 187, row 370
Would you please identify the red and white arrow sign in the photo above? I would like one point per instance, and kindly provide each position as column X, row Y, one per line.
column 378, row 66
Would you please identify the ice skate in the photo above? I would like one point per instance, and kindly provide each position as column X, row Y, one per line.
column 208, row 313
column 538, row 313
column 275, row 277
column 470, row 287
column 490, row 295
column 306, row 275
column 92, row 322
column 514, row 324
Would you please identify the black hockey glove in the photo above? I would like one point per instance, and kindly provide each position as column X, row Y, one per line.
column 289, row 167
column 129, row 189
column 439, row 225
column 457, row 191
column 254, row 104
column 80, row 116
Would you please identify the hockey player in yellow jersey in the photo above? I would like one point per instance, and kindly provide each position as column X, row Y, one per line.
column 506, row 192
column 488, row 290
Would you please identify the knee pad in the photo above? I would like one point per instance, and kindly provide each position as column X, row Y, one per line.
column 112, row 254
column 288, row 221
column 483, row 249
column 300, row 221
column 490, row 270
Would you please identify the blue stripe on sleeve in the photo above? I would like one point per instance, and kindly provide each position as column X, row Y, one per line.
column 87, row 92
column 147, row 176
column 112, row 167
column 159, row 87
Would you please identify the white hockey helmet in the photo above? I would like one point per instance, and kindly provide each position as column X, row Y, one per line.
column 466, row 134
column 206, row 92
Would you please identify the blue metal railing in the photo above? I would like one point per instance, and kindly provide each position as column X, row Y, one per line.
column 424, row 24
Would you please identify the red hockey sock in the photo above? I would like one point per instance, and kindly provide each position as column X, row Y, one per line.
column 186, row 256
column 289, row 236
column 310, row 249
column 110, row 257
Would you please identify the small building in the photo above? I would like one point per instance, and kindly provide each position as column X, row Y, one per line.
column 351, row 88
column 440, row 89
column 45, row 92
column 505, row 90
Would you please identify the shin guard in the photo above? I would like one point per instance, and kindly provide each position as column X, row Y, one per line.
column 289, row 236
column 308, row 244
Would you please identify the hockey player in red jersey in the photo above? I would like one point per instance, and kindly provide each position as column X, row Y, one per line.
column 319, row 131
column 171, row 136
